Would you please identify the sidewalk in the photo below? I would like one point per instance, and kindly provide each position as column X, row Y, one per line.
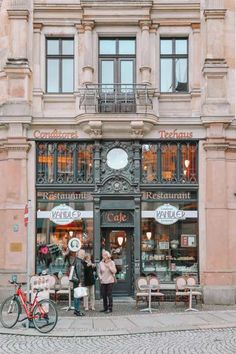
column 126, row 319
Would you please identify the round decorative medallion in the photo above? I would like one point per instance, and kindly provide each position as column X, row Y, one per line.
column 117, row 158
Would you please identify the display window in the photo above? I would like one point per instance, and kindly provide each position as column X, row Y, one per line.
column 169, row 246
column 52, row 252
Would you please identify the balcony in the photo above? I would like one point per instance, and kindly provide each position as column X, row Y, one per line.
column 116, row 98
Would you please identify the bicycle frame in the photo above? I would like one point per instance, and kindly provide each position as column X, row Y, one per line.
column 28, row 307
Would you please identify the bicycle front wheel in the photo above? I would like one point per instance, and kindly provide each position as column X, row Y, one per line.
column 45, row 316
column 10, row 311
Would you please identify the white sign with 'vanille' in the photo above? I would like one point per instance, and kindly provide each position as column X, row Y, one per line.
column 63, row 214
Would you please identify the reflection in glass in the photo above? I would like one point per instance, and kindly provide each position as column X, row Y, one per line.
column 126, row 46
column 181, row 74
column 52, row 75
column 107, row 46
column 67, row 75
column 169, row 162
column 149, row 162
column 166, row 75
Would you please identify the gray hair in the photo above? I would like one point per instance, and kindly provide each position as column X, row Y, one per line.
column 106, row 253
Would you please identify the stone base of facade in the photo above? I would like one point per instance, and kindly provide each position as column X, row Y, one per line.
column 219, row 295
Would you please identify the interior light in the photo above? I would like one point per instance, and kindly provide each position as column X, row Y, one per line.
column 120, row 240
column 71, row 233
column 149, row 235
column 186, row 163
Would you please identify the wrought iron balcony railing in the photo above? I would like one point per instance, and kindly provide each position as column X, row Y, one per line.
column 116, row 98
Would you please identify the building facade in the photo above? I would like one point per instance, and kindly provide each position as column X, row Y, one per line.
column 117, row 127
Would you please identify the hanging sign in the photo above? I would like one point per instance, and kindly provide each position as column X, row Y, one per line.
column 168, row 214
column 63, row 214
column 74, row 244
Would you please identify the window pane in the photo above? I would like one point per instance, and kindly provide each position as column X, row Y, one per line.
column 65, row 163
column 45, row 160
column 85, row 162
column 181, row 74
column 53, row 75
column 108, row 46
column 166, row 75
column 169, row 162
column 149, row 162
column 107, row 75
column 126, row 75
column 181, row 46
column 67, row 75
column 52, row 46
column 189, row 162
column 126, row 46
column 166, row 46
column 68, row 47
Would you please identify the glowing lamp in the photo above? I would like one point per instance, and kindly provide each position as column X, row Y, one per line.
column 149, row 235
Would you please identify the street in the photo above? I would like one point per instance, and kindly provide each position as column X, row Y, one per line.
column 210, row 341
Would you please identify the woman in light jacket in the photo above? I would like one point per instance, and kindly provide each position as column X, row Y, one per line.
column 106, row 274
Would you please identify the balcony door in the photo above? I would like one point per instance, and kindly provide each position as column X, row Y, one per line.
column 117, row 74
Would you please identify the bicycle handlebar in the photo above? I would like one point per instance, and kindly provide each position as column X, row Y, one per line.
column 16, row 283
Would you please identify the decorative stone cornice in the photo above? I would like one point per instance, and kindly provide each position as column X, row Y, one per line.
column 18, row 14
column 214, row 14
column 217, row 145
column 23, row 147
column 195, row 27
column 137, row 129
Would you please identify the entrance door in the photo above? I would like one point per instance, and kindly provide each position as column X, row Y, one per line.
column 118, row 242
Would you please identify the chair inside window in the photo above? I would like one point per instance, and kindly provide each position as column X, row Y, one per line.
column 191, row 281
column 141, row 294
column 155, row 292
column 181, row 292
column 64, row 287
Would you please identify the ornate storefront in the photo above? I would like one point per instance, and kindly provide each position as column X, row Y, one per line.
column 117, row 187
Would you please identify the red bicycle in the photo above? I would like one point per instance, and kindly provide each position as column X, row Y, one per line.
column 43, row 314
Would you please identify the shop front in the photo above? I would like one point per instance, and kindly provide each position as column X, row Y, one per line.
column 137, row 200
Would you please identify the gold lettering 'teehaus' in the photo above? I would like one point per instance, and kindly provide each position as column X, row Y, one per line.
column 175, row 134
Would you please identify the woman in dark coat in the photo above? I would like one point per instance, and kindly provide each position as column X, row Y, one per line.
column 89, row 282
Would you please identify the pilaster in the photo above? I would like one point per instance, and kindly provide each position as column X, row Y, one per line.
column 145, row 68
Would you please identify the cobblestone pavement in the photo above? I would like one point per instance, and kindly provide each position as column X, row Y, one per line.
column 212, row 341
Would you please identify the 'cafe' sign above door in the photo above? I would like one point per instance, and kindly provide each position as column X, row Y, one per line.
column 117, row 217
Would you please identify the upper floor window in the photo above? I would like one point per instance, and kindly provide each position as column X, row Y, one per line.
column 64, row 163
column 170, row 162
column 117, row 74
column 174, row 64
column 60, row 65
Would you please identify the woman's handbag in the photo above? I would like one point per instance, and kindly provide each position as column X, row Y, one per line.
column 80, row 291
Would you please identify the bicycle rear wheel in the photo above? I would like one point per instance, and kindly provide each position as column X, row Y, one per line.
column 45, row 316
column 10, row 311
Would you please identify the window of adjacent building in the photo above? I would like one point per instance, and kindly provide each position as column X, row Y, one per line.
column 60, row 65
column 174, row 64
column 169, row 162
